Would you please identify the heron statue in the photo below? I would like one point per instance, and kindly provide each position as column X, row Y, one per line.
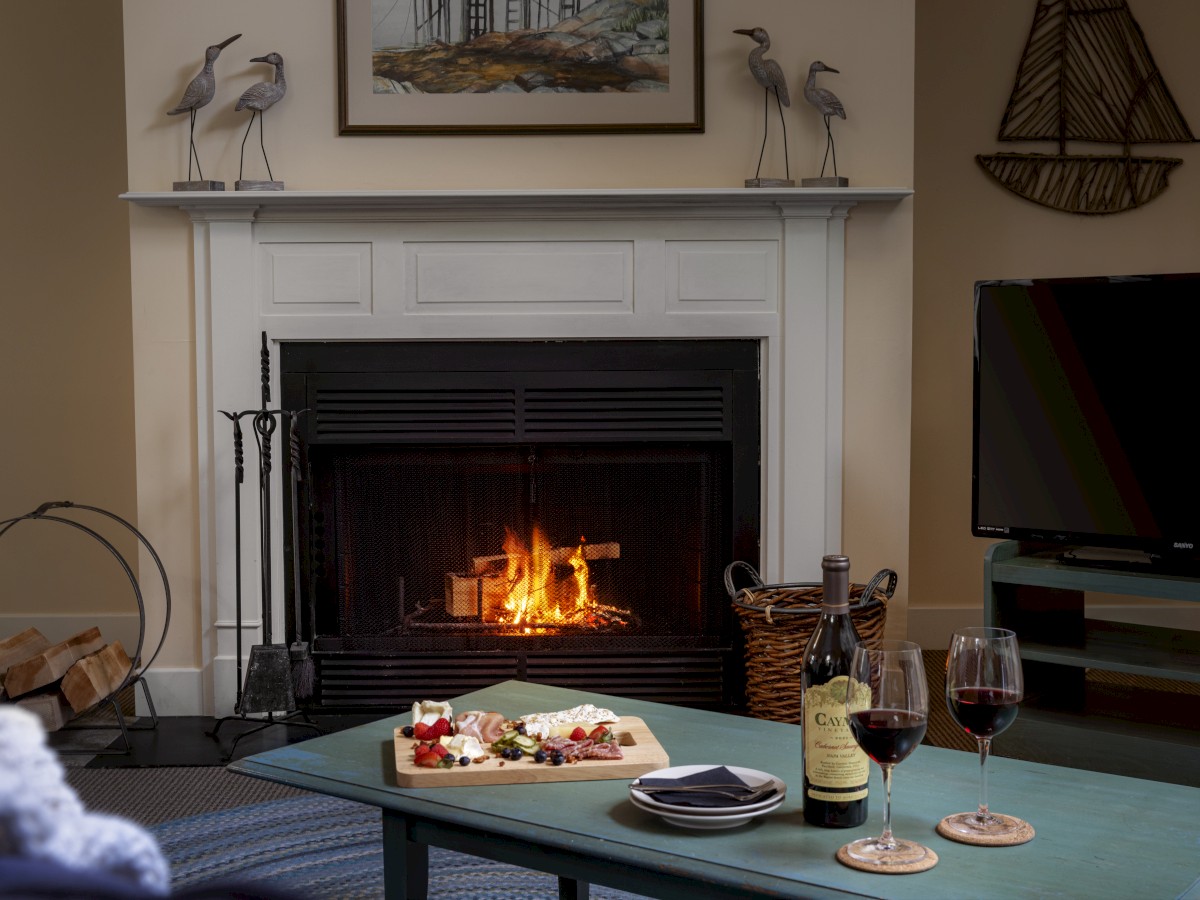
column 769, row 74
column 828, row 105
column 258, row 98
column 199, row 92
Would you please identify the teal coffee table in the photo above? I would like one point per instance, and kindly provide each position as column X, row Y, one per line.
column 1098, row 835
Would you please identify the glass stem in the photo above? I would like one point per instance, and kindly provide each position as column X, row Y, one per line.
column 887, row 840
column 985, row 746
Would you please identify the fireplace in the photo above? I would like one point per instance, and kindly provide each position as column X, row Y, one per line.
column 558, row 512
column 670, row 267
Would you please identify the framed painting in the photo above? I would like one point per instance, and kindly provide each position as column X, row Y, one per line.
column 520, row 66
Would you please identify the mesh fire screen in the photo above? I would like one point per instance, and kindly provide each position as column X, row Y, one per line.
column 484, row 547
column 550, row 511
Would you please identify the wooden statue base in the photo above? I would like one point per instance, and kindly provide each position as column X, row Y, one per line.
column 769, row 182
column 240, row 185
column 826, row 181
column 206, row 185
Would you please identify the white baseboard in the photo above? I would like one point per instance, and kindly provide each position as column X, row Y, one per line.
column 931, row 628
column 175, row 692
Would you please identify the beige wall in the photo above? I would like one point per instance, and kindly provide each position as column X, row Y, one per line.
column 871, row 42
column 66, row 357
column 969, row 228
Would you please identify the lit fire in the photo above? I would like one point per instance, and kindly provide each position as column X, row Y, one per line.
column 538, row 592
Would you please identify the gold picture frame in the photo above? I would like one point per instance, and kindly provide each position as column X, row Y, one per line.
column 500, row 67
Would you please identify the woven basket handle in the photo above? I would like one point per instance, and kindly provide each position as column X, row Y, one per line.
column 869, row 590
column 750, row 570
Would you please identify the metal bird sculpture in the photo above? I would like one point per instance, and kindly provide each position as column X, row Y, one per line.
column 258, row 99
column 199, row 92
column 827, row 104
column 769, row 74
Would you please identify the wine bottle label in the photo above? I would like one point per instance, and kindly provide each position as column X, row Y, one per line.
column 836, row 767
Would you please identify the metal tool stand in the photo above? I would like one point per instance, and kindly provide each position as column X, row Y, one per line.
column 267, row 687
column 137, row 671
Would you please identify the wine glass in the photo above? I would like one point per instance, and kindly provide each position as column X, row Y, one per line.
column 887, row 704
column 984, row 685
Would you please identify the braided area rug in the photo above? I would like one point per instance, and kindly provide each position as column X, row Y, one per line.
column 321, row 847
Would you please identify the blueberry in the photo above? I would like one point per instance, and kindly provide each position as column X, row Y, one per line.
column 557, row 759
column 464, row 760
column 506, row 753
column 521, row 729
column 407, row 731
column 517, row 753
column 540, row 756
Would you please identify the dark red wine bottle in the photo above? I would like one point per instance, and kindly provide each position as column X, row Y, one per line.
column 835, row 767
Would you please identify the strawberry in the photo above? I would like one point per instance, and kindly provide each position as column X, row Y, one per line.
column 578, row 734
column 440, row 728
column 423, row 732
column 439, row 750
column 601, row 735
column 428, row 760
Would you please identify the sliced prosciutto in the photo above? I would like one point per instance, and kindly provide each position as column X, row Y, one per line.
column 486, row 727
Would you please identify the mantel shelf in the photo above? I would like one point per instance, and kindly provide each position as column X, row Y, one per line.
column 770, row 200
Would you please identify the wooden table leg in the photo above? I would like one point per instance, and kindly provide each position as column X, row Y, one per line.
column 405, row 862
column 570, row 889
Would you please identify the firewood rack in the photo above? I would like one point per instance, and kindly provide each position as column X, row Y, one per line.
column 137, row 671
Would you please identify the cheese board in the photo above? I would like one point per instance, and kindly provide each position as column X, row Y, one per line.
column 641, row 751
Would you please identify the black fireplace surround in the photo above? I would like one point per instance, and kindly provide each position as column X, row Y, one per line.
column 419, row 458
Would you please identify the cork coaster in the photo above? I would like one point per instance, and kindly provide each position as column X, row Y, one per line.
column 924, row 865
column 1023, row 835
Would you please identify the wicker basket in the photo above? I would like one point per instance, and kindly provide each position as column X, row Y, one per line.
column 777, row 621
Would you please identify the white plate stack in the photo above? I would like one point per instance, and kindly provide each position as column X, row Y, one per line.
column 710, row 817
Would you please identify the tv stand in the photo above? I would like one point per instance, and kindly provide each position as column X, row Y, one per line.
column 1096, row 723
column 1132, row 561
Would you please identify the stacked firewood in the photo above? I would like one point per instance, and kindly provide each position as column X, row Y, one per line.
column 59, row 681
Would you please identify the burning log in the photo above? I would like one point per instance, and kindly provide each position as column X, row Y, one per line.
column 559, row 556
column 475, row 595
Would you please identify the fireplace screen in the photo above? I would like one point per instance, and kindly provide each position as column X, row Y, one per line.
column 555, row 512
column 472, row 548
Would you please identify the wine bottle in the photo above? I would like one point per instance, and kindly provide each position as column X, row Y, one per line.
column 835, row 767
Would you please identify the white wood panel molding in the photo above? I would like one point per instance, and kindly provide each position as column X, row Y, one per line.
column 520, row 265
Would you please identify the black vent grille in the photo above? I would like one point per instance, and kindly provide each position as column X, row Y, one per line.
column 365, row 414
column 695, row 412
column 514, row 413
column 396, row 681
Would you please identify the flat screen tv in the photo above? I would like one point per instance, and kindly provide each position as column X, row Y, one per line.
column 1085, row 410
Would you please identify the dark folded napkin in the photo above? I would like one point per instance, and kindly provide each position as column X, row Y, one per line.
column 718, row 775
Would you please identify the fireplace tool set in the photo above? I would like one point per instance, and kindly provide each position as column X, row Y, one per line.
column 276, row 674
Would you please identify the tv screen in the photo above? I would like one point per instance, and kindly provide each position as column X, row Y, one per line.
column 1084, row 412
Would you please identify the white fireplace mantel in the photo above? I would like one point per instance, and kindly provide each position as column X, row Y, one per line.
column 764, row 264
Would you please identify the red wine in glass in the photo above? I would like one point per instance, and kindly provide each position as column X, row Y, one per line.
column 984, row 687
column 887, row 705
column 888, row 735
column 983, row 712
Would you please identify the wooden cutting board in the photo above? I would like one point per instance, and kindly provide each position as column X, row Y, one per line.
column 643, row 753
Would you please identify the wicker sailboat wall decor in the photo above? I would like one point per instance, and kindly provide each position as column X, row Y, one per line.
column 1087, row 75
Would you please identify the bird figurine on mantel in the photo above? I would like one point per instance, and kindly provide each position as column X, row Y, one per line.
column 769, row 74
column 197, row 94
column 258, row 99
column 828, row 105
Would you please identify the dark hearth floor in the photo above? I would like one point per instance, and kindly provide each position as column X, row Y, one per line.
column 188, row 740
